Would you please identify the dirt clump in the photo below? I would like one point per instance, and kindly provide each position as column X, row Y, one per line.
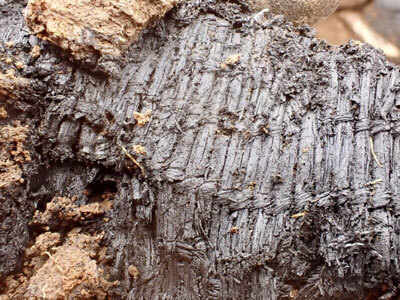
column 65, row 209
column 15, row 285
column 12, row 154
column 12, row 86
column 142, row 118
column 92, row 28
column 63, row 266
column 35, row 52
column 139, row 149
column 3, row 113
column 230, row 60
column 72, row 271
column 69, row 271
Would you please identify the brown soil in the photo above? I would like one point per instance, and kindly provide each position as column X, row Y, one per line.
column 10, row 85
column 3, row 113
column 63, row 268
column 64, row 209
column 87, row 28
column 12, row 153
column 142, row 118
column 68, row 271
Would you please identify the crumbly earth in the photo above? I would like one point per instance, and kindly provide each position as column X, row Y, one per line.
column 12, row 154
column 142, row 118
column 57, row 267
column 3, row 113
column 69, row 271
column 10, row 85
column 64, row 209
column 87, row 28
column 72, row 272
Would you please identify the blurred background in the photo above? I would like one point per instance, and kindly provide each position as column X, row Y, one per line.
column 376, row 22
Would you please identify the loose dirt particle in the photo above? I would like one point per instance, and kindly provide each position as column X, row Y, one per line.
column 133, row 270
column 234, row 230
column 141, row 118
column 3, row 113
column 139, row 149
column 44, row 242
column 19, row 65
column 10, row 73
column 11, row 86
column 293, row 293
column 35, row 52
column 12, row 154
column 64, row 208
column 230, row 60
column 305, row 150
column 252, row 185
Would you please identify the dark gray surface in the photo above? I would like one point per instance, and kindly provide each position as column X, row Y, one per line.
column 293, row 118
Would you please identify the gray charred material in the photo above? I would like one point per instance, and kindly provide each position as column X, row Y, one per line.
column 233, row 152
